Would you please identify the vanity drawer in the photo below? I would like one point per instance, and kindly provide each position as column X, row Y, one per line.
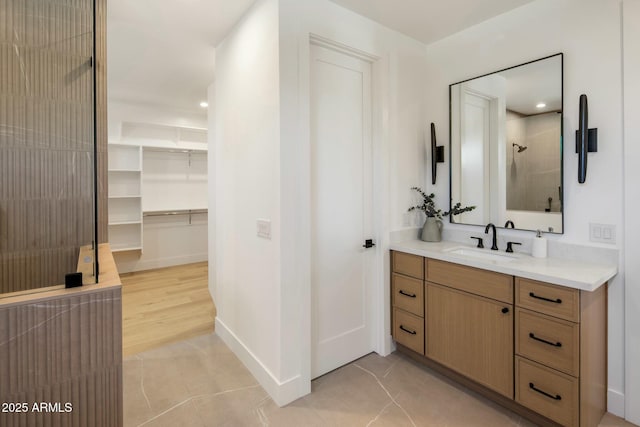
column 556, row 301
column 548, row 392
column 485, row 283
column 550, row 341
column 408, row 330
column 407, row 264
column 408, row 294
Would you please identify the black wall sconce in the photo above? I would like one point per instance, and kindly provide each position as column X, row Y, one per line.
column 586, row 139
column 437, row 154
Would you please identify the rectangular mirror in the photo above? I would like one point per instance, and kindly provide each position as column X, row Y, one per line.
column 506, row 146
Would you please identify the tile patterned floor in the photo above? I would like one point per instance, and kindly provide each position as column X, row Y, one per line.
column 200, row 382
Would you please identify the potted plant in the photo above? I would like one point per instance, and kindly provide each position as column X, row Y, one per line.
column 432, row 229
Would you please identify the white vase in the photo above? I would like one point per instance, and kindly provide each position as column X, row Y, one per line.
column 432, row 230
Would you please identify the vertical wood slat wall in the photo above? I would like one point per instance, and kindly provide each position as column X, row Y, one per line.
column 46, row 138
column 63, row 350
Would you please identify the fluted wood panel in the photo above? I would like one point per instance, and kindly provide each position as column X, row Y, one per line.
column 101, row 120
column 67, row 350
column 47, row 140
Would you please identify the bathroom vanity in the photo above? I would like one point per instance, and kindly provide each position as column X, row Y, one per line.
column 529, row 333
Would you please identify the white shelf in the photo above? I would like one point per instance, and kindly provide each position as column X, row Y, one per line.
column 139, row 132
column 125, row 170
column 126, row 197
column 125, row 237
column 125, row 222
column 117, row 248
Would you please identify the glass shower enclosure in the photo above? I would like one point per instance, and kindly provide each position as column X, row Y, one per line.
column 48, row 187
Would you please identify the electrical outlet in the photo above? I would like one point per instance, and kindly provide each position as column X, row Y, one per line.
column 602, row 233
column 264, row 228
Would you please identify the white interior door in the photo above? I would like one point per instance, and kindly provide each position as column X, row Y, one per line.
column 341, row 206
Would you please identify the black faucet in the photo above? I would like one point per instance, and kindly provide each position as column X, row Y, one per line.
column 509, row 223
column 494, row 243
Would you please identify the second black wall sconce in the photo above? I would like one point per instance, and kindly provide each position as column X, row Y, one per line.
column 586, row 139
column 437, row 154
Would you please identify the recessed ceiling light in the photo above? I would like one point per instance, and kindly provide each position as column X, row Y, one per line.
column 204, row 104
column 539, row 105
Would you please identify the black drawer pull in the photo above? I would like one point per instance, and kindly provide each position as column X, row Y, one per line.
column 555, row 344
column 556, row 301
column 406, row 294
column 556, row 397
column 505, row 310
column 407, row 330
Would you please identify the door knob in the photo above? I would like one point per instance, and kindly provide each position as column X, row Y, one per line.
column 368, row 243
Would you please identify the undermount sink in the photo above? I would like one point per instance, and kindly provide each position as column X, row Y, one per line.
column 481, row 254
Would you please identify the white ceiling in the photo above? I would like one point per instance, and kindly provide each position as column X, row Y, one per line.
column 430, row 20
column 161, row 52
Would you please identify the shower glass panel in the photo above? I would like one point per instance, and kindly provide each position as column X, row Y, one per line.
column 47, row 143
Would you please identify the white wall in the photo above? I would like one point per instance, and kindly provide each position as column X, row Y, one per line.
column 262, row 171
column 588, row 33
column 631, row 54
column 245, row 187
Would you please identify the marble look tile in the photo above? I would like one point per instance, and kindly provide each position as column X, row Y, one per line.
column 610, row 420
column 184, row 414
column 200, row 382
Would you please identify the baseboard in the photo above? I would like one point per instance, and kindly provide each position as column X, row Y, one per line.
column 615, row 403
column 126, row 265
column 388, row 346
column 282, row 392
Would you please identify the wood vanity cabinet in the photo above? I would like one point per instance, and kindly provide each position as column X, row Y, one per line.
column 537, row 348
column 561, row 352
column 407, row 300
column 466, row 330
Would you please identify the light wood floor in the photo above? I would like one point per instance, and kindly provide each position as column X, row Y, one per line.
column 165, row 306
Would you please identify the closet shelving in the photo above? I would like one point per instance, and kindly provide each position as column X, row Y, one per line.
column 154, row 168
column 125, row 197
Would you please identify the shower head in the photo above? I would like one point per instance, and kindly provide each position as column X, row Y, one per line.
column 521, row 148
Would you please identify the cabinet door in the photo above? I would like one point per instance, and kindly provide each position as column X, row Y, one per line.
column 472, row 335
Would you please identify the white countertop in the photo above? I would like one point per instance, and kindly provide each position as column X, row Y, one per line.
column 585, row 276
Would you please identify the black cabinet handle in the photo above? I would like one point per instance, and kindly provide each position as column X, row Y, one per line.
column 555, row 344
column 407, row 330
column 556, row 301
column 556, row 397
column 505, row 310
column 406, row 294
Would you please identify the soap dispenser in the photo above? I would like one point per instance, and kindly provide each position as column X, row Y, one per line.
column 539, row 246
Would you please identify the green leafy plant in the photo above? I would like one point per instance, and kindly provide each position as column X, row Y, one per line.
column 428, row 206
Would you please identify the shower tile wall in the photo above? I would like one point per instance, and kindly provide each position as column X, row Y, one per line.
column 533, row 175
column 46, row 138
column 64, row 350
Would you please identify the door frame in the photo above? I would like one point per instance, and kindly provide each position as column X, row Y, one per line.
column 380, row 88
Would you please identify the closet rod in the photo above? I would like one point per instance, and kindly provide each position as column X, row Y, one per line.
column 175, row 150
column 176, row 212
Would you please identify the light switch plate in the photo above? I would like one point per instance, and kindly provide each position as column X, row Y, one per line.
column 602, row 233
column 264, row 228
